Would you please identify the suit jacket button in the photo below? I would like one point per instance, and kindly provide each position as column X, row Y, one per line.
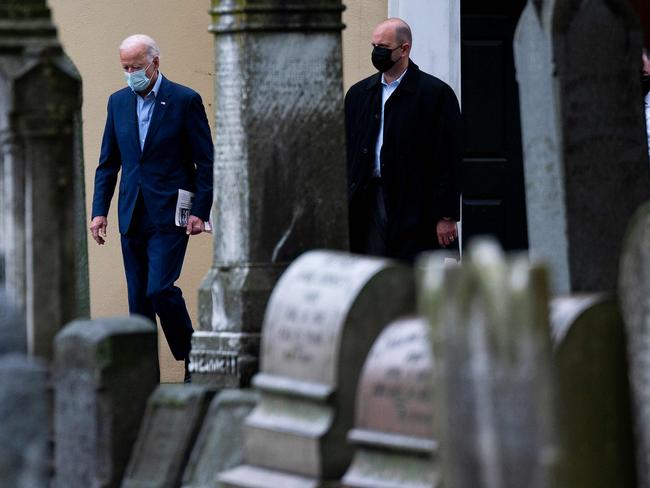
column 353, row 186
column 377, row 116
column 364, row 150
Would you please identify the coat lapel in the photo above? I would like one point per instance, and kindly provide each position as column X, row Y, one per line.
column 162, row 100
column 132, row 122
column 408, row 85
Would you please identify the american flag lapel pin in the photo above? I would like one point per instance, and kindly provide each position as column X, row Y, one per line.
column 163, row 103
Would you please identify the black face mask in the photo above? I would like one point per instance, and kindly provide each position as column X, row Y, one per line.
column 381, row 58
column 645, row 83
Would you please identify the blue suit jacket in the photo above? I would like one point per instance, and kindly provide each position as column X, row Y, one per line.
column 177, row 154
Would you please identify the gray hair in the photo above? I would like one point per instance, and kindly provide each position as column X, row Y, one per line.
column 142, row 40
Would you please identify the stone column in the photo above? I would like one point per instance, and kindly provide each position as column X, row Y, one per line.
column 586, row 164
column 43, row 243
column 279, row 167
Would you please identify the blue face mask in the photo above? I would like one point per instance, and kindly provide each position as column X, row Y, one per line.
column 138, row 80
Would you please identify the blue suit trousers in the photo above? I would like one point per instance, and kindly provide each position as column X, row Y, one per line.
column 153, row 260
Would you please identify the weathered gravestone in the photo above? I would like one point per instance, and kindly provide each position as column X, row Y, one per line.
column 321, row 321
column 104, row 371
column 24, row 423
column 279, row 167
column 41, row 175
column 583, row 130
column 594, row 410
column 393, row 433
column 171, row 424
column 634, row 291
column 492, row 377
column 220, row 445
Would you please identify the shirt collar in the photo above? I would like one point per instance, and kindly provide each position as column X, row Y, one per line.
column 394, row 83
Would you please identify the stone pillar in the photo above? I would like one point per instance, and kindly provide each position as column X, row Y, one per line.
column 586, row 164
column 279, row 167
column 436, row 36
column 43, row 236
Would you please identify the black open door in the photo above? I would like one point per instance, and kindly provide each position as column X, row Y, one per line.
column 492, row 169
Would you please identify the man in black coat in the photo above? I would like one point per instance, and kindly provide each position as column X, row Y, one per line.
column 403, row 153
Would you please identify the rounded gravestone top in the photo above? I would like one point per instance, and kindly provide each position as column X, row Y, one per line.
column 13, row 329
column 98, row 330
column 395, row 390
column 326, row 310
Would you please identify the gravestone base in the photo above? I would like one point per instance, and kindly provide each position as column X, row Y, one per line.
column 375, row 468
column 255, row 477
column 224, row 359
column 232, row 300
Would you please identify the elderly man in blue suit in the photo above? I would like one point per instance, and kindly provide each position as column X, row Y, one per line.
column 157, row 133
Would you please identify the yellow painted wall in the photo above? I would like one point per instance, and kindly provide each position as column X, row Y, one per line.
column 360, row 17
column 91, row 31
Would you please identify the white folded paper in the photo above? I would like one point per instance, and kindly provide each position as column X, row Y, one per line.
column 183, row 208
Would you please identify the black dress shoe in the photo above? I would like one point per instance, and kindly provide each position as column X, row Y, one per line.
column 188, row 375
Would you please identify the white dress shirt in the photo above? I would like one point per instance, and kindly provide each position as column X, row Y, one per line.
column 387, row 90
column 145, row 108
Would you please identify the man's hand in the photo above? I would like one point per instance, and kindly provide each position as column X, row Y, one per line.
column 194, row 226
column 98, row 229
column 447, row 232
